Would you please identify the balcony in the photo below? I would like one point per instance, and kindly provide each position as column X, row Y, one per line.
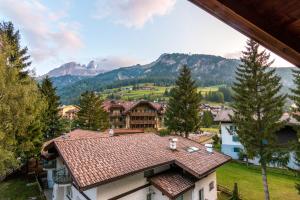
column 151, row 114
column 115, row 114
column 61, row 177
column 142, row 121
column 49, row 164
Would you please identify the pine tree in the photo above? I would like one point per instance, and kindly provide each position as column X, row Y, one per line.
column 92, row 116
column 296, row 98
column 21, row 105
column 258, row 106
column 235, row 193
column 182, row 114
column 53, row 124
column 18, row 55
column 207, row 119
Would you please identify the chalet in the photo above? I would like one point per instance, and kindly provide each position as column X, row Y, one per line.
column 134, row 114
column 69, row 111
column 88, row 165
column 231, row 145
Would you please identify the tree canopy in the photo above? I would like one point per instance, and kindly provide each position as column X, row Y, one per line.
column 21, row 104
column 51, row 118
column 92, row 116
column 182, row 114
column 258, row 106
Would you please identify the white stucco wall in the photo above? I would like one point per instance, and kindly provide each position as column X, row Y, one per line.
column 123, row 185
column 109, row 190
column 226, row 136
column 91, row 193
column 157, row 195
column 204, row 183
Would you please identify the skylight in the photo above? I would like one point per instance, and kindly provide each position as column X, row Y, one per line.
column 192, row 149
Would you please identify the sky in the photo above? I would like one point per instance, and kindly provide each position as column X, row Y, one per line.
column 118, row 33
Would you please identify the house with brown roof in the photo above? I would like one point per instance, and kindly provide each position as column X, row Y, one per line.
column 134, row 114
column 100, row 166
column 232, row 146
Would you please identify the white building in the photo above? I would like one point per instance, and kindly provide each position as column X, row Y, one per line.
column 96, row 166
column 231, row 145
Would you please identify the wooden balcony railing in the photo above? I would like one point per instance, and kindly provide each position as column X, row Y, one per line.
column 115, row 114
column 152, row 114
column 142, row 121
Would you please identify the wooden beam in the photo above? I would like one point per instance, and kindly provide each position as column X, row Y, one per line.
column 225, row 14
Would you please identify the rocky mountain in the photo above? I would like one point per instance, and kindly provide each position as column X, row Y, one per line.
column 76, row 69
column 207, row 70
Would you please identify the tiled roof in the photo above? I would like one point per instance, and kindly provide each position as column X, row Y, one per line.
column 128, row 105
column 98, row 160
column 76, row 134
column 122, row 131
column 172, row 183
column 224, row 115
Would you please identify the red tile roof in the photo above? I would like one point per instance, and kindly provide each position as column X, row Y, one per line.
column 172, row 183
column 120, row 131
column 97, row 160
column 128, row 105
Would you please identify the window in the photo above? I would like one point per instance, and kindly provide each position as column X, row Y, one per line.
column 149, row 173
column 236, row 149
column 180, row 197
column 231, row 130
column 149, row 196
column 235, row 138
column 201, row 194
column 211, row 185
column 69, row 192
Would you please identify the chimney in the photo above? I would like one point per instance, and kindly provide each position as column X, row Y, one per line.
column 173, row 143
column 111, row 132
column 209, row 148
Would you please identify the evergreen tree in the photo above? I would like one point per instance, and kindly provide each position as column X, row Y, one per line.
column 182, row 114
column 258, row 106
column 21, row 105
column 18, row 55
column 207, row 119
column 235, row 193
column 226, row 93
column 92, row 116
column 296, row 98
column 53, row 124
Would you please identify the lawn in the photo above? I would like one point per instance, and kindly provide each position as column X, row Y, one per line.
column 156, row 93
column 249, row 181
column 16, row 189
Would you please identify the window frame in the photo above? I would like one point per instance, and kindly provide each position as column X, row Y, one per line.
column 211, row 185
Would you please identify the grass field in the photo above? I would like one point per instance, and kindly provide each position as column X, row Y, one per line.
column 16, row 189
column 250, row 182
column 157, row 92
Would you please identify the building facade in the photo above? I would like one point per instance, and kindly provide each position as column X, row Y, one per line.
column 232, row 147
column 134, row 114
column 137, row 166
column 69, row 111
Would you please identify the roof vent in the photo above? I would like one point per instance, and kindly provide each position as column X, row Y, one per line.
column 65, row 136
column 173, row 143
column 111, row 132
column 209, row 148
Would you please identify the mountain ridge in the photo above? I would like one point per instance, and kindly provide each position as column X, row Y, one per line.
column 207, row 70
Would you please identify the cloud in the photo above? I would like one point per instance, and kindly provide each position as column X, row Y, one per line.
column 114, row 62
column 46, row 31
column 133, row 13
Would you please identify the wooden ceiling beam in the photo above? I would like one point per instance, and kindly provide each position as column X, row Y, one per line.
column 243, row 25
